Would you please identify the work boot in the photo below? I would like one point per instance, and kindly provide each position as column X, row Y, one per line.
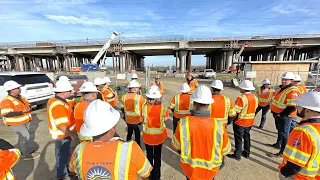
column 276, row 146
column 244, row 154
column 31, row 156
column 233, row 156
column 276, row 155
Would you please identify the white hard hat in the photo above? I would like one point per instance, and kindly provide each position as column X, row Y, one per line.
column 153, row 92
column 98, row 81
column 217, row 84
column 63, row 86
column 88, row 87
column 95, row 122
column 106, row 80
column 297, row 77
column 266, row 81
column 309, row 100
column 64, row 78
column 202, row 95
column 157, row 76
column 9, row 85
column 133, row 84
column 288, row 75
column 134, row 76
column 246, row 85
column 184, row 88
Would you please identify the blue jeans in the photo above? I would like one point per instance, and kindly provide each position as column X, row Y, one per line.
column 263, row 115
column 285, row 128
column 62, row 156
column 222, row 164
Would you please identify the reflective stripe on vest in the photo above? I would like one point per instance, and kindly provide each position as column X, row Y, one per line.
column 177, row 106
column 244, row 114
column 146, row 128
column 83, row 138
column 263, row 99
column 78, row 160
column 136, row 106
column 123, row 158
column 226, row 110
column 15, row 119
column 216, row 158
column 9, row 175
column 110, row 99
column 280, row 102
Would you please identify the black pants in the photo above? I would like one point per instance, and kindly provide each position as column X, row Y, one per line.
column 154, row 157
column 264, row 114
column 239, row 133
column 175, row 123
column 136, row 129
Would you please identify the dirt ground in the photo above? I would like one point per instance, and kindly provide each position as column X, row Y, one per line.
column 258, row 166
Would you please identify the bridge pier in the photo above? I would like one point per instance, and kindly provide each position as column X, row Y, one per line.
column 183, row 57
column 280, row 54
column 229, row 58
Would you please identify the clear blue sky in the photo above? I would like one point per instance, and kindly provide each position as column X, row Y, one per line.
column 45, row 20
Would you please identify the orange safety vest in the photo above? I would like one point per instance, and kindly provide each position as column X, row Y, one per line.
column 285, row 98
column 221, row 109
column 203, row 143
column 265, row 98
column 78, row 117
column 113, row 159
column 59, row 113
column 302, row 88
column 303, row 149
column 110, row 96
column 160, row 85
column 132, row 104
column 246, row 106
column 182, row 105
column 8, row 158
column 11, row 104
column 193, row 85
column 154, row 128
column 71, row 101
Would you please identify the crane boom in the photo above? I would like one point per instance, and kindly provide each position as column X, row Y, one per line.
column 105, row 47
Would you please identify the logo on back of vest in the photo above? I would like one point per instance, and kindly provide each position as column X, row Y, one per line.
column 98, row 173
column 295, row 95
column 296, row 142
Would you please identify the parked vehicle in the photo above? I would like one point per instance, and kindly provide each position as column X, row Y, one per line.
column 37, row 87
column 76, row 81
column 208, row 73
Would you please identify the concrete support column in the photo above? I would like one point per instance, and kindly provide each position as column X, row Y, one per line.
column 188, row 64
column 177, row 59
column 280, row 54
column 122, row 62
column 229, row 59
column 183, row 57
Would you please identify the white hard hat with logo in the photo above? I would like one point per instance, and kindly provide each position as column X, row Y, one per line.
column 134, row 76
column 217, row 84
column 246, row 85
column 153, row 92
column 202, row 95
column 64, row 78
column 88, row 87
column 184, row 88
column 266, row 81
column 297, row 78
column 288, row 75
column 9, row 85
column 63, row 86
column 309, row 100
column 95, row 122
column 98, row 81
column 134, row 84
column 106, row 80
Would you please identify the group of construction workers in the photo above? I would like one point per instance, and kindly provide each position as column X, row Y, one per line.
column 200, row 117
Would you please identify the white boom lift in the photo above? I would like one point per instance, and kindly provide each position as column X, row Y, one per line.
column 105, row 47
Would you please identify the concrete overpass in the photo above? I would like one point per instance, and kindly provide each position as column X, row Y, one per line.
column 220, row 53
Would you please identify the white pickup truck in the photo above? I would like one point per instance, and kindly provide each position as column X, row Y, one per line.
column 208, row 73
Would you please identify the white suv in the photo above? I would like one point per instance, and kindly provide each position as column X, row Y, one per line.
column 37, row 88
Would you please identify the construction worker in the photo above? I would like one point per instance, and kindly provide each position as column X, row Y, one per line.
column 181, row 105
column 284, row 111
column 245, row 107
column 110, row 95
column 9, row 156
column 100, row 83
column 132, row 106
column 222, row 109
column 134, row 77
column 265, row 95
column 107, row 157
column 193, row 83
column 16, row 113
column 202, row 141
column 301, row 157
column 61, row 126
column 90, row 92
column 72, row 99
column 159, row 84
column 154, row 114
column 297, row 82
